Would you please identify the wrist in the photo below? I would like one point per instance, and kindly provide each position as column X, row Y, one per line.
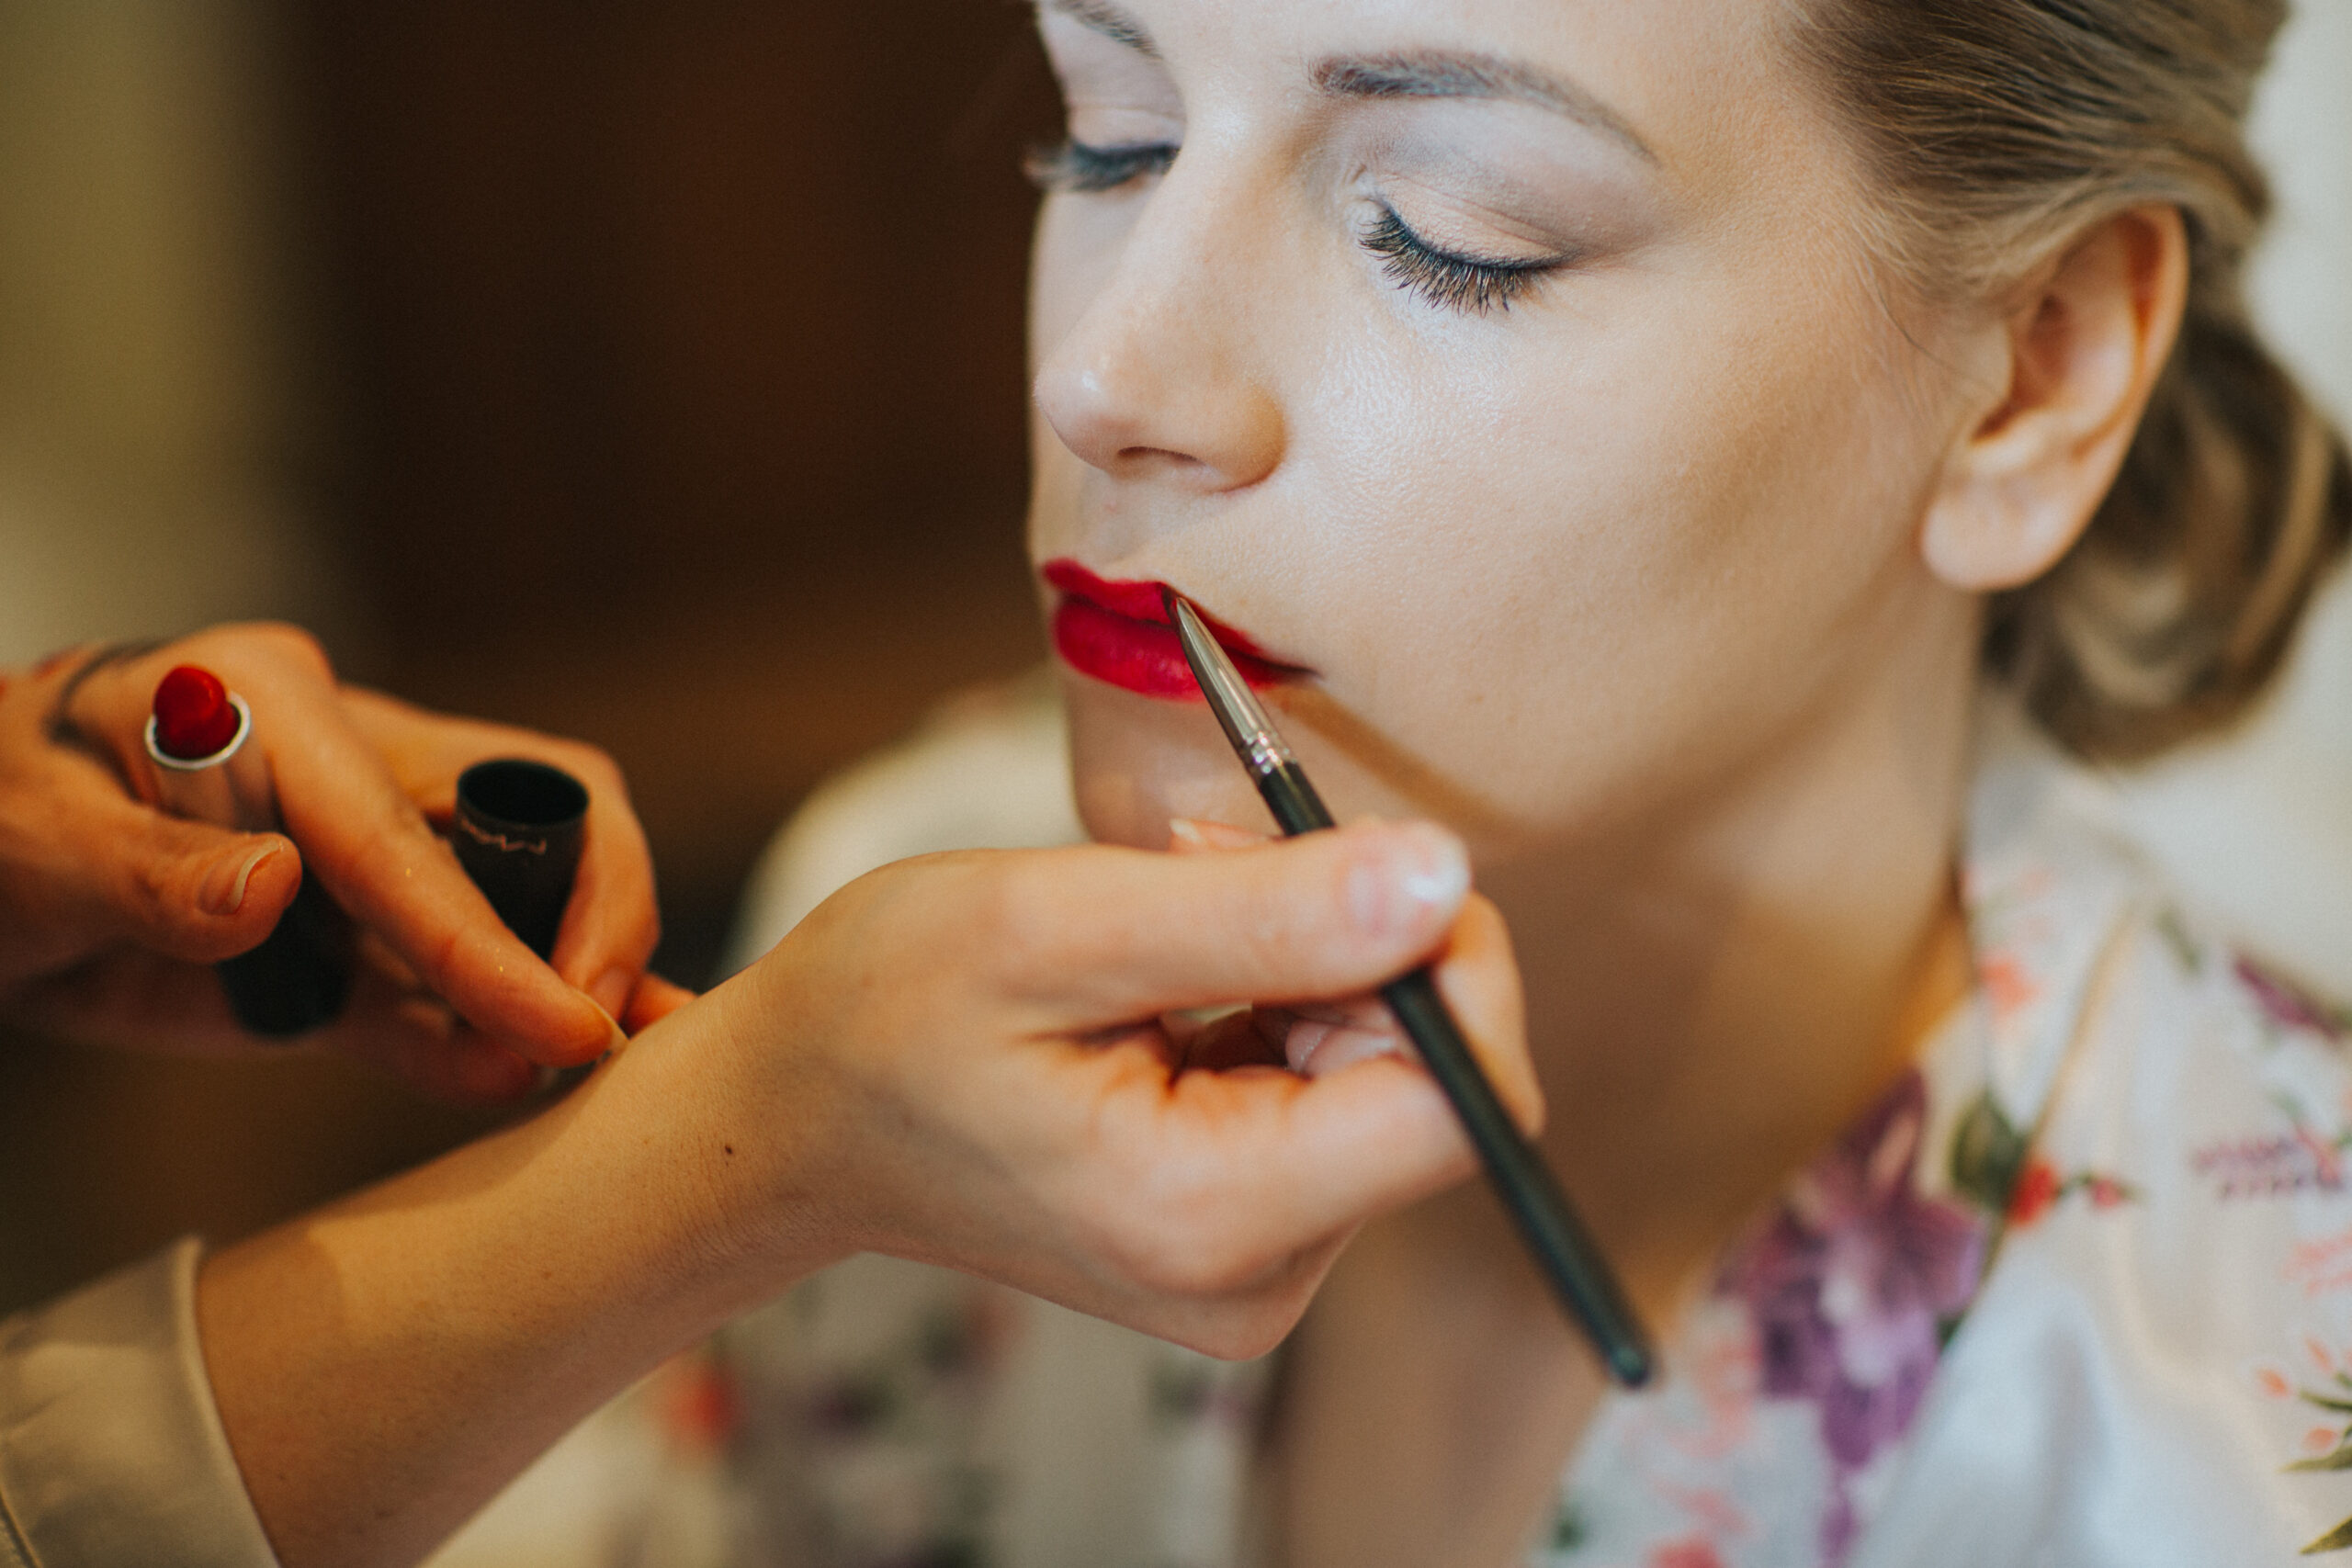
column 717, row 1156
column 459, row 1319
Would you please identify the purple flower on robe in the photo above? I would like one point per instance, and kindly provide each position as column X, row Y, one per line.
column 1850, row 1283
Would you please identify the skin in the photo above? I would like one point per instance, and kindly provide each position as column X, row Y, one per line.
column 958, row 1059
column 1663, row 585
column 1719, row 461
column 954, row 1059
column 112, row 913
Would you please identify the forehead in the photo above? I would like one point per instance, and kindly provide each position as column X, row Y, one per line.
column 1703, row 78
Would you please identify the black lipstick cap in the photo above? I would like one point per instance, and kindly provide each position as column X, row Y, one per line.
column 517, row 832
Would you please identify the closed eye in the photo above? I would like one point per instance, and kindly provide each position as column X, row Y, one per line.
column 1079, row 166
column 1470, row 283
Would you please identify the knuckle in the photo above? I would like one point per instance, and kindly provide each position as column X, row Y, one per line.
column 150, row 891
column 294, row 645
column 1014, row 899
column 589, row 761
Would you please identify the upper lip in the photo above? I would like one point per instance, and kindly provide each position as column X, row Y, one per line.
column 1146, row 600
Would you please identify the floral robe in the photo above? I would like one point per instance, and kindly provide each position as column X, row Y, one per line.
column 2077, row 1291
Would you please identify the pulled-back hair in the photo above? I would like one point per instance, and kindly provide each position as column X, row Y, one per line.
column 1999, row 131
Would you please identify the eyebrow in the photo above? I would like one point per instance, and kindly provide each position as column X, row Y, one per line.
column 1113, row 23
column 1445, row 74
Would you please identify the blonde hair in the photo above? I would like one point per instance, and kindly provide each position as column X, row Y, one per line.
column 2000, row 129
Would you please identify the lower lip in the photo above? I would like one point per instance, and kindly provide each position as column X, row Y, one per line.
column 1134, row 653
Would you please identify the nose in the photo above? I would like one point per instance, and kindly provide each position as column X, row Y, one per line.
column 1161, row 377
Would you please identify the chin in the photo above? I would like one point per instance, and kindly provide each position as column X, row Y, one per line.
column 1136, row 762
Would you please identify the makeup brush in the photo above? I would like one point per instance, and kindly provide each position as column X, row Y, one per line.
column 1563, row 1249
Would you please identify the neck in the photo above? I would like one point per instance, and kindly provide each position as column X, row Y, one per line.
column 1715, row 995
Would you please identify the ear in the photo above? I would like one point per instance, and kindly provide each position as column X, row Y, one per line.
column 2082, row 350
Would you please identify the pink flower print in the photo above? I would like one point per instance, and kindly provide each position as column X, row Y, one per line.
column 1849, row 1284
column 2288, row 1006
column 2273, row 1383
column 699, row 1403
column 1692, row 1551
column 1723, row 1372
column 2007, row 984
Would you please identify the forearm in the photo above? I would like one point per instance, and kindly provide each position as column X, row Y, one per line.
column 382, row 1367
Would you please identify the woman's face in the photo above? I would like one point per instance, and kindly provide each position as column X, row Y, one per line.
column 1511, row 373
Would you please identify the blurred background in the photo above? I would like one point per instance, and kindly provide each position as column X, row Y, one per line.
column 646, row 373
column 653, row 374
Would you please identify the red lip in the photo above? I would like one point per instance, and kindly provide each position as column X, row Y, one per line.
column 1119, row 633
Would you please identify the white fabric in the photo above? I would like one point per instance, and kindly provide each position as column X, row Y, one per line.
column 111, row 1451
column 2128, row 1389
column 2133, row 1380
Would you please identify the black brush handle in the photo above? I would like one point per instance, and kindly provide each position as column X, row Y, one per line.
column 1563, row 1248
column 1547, row 1223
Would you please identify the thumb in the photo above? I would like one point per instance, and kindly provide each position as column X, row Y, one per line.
column 1111, row 935
column 191, row 891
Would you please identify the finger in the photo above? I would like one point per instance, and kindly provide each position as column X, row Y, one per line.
column 611, row 925
column 1316, row 1047
column 1219, row 1177
column 420, row 1041
column 188, row 890
column 1190, row 835
column 133, row 998
column 1226, row 1174
column 454, row 1065
column 1093, row 936
column 372, row 847
column 1477, row 975
column 653, row 1000
column 361, row 835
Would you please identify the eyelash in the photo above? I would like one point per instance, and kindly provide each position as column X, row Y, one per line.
column 1471, row 285
column 1081, row 167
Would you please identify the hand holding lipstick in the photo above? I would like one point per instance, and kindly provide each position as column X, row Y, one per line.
column 111, row 910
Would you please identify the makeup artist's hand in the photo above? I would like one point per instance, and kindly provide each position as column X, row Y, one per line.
column 969, row 1059
column 956, row 1058
column 110, row 912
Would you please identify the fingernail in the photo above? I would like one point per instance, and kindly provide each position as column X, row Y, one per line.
column 1186, row 831
column 1400, row 889
column 1439, row 874
column 224, row 889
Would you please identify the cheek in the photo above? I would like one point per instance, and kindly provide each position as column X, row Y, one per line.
column 1602, row 542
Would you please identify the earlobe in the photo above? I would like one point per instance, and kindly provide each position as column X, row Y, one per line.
column 2081, row 352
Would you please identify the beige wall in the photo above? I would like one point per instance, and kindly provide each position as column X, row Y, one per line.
column 149, row 410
